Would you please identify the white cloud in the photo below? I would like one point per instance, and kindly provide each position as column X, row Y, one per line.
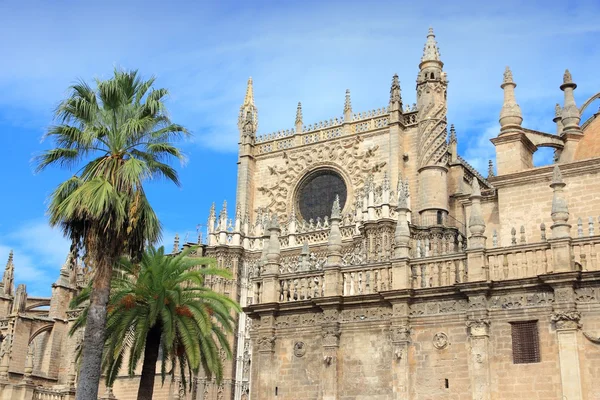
column 39, row 252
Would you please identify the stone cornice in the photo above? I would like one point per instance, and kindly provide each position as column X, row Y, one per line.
column 534, row 175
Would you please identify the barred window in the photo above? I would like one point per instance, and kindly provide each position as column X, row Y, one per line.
column 525, row 342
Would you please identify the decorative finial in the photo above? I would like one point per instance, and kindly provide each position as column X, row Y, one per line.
column 386, row 185
column 557, row 111
column 508, row 77
column 556, row 175
column 490, row 168
column 452, row 133
column 431, row 52
column 299, row 114
column 335, row 210
column 347, row 102
column 567, row 78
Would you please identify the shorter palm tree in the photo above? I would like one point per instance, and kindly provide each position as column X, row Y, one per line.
column 160, row 307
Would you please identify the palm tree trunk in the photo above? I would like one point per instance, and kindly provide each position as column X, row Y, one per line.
column 146, row 388
column 93, row 340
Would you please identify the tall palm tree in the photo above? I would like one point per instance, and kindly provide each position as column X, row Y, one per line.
column 119, row 136
column 160, row 305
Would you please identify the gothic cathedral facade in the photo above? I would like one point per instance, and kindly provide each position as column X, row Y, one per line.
column 373, row 262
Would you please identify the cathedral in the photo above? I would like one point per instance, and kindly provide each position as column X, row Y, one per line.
column 373, row 262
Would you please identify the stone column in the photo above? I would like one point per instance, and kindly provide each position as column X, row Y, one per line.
column 273, row 256
column 263, row 384
column 561, row 237
column 400, row 336
column 567, row 325
column 400, row 260
column 333, row 276
column 479, row 363
column 330, row 330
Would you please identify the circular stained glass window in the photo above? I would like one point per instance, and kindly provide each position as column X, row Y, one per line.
column 317, row 193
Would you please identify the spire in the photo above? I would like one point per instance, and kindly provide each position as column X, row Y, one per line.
column 431, row 51
column 560, row 210
column 9, row 274
column 510, row 115
column 347, row 107
column 490, row 169
column 395, row 95
column 248, row 117
column 249, row 99
column 570, row 115
column 452, row 134
column 299, row 118
column 335, row 210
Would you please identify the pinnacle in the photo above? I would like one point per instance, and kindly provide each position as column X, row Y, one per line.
column 299, row 113
column 249, row 99
column 431, row 52
column 335, row 210
column 508, row 77
column 556, row 175
column 557, row 110
column 567, row 78
column 347, row 102
column 452, row 133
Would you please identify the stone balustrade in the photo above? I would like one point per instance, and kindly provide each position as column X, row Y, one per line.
column 438, row 271
column 367, row 279
column 41, row 393
column 302, row 286
column 527, row 260
column 329, row 129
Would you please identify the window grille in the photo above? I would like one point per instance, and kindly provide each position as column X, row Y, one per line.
column 525, row 342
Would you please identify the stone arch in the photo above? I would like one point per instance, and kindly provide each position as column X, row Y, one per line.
column 45, row 328
column 588, row 102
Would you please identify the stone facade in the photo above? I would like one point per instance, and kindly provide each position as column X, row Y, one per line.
column 417, row 285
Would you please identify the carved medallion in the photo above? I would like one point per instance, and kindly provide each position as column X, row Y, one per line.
column 299, row 349
column 440, row 340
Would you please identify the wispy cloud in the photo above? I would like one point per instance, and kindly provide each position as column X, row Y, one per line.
column 39, row 252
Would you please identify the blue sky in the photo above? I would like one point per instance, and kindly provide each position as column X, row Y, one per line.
column 309, row 51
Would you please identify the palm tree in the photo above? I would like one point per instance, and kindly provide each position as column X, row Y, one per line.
column 162, row 306
column 120, row 136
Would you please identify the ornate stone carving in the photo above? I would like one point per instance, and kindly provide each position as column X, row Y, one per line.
column 299, row 349
column 508, row 302
column 369, row 314
column 440, row 307
column 477, row 302
column 566, row 319
column 440, row 340
column 564, row 295
column 586, row 295
column 400, row 333
column 331, row 335
column 330, row 315
column 266, row 343
column 478, row 327
column 346, row 154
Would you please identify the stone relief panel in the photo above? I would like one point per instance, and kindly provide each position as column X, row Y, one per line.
column 440, row 340
column 508, row 302
column 439, row 307
column 348, row 155
column 587, row 295
column 368, row 314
